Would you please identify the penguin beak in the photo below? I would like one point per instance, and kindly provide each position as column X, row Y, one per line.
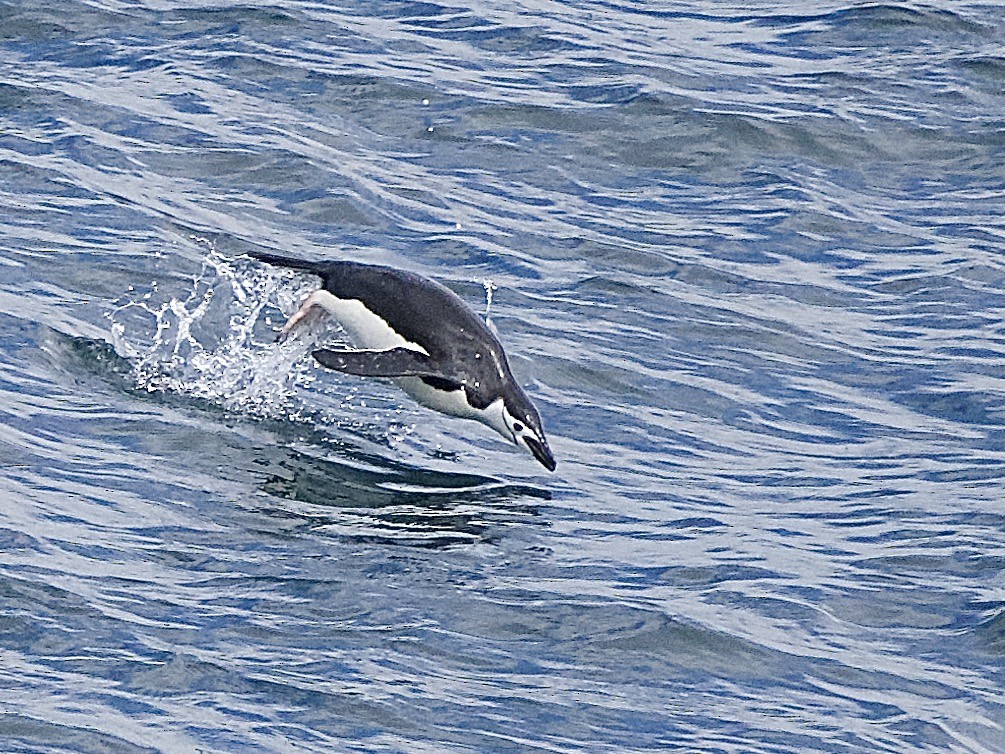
column 541, row 452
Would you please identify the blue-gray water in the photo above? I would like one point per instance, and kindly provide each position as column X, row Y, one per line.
column 747, row 260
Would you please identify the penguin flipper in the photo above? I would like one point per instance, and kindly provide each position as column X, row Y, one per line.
column 395, row 362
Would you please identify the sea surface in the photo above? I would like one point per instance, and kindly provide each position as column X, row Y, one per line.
column 747, row 259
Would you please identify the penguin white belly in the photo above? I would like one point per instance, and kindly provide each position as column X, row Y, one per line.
column 365, row 329
column 450, row 402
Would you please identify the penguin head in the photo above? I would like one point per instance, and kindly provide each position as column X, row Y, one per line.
column 523, row 426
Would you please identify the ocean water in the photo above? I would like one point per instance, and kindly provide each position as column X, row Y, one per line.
column 746, row 258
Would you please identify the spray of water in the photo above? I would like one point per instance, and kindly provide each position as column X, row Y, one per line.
column 489, row 287
column 216, row 342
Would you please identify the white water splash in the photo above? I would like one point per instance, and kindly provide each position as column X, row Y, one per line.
column 489, row 287
column 216, row 342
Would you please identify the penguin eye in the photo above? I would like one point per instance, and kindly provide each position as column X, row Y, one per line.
column 517, row 427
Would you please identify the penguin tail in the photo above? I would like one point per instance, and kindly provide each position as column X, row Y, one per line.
column 292, row 262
